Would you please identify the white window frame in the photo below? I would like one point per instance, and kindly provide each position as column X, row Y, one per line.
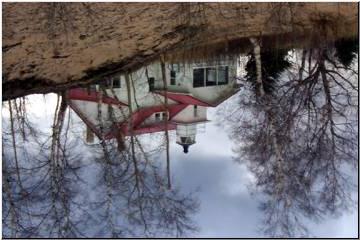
column 217, row 74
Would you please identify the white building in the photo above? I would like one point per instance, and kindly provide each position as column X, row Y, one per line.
column 192, row 88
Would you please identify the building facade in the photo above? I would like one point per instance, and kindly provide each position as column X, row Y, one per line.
column 191, row 89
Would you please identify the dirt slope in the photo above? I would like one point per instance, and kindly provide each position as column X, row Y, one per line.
column 51, row 46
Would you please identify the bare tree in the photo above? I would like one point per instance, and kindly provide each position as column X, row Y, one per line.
column 132, row 184
column 300, row 140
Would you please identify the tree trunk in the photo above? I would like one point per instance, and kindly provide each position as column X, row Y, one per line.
column 269, row 112
column 14, row 146
column 257, row 54
column 130, row 127
column 163, row 71
column 302, row 67
column 7, row 191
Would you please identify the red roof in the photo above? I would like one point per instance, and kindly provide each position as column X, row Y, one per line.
column 92, row 96
column 157, row 127
column 152, row 128
column 139, row 117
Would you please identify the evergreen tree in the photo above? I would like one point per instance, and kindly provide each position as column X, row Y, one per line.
column 346, row 50
column 274, row 62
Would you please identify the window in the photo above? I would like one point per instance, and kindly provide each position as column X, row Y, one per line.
column 157, row 117
column 160, row 116
column 210, row 76
column 172, row 77
column 116, row 82
column 195, row 111
column 223, row 75
column 151, row 81
column 198, row 76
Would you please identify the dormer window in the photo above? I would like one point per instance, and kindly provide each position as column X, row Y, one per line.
column 160, row 116
column 157, row 117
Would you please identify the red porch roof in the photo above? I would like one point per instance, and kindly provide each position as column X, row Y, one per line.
column 92, row 96
column 185, row 99
column 139, row 117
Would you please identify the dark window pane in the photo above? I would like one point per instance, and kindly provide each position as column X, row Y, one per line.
column 172, row 77
column 210, row 76
column 223, row 75
column 116, row 82
column 198, row 76
column 151, row 81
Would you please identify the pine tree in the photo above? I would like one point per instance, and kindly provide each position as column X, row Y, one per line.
column 274, row 62
column 346, row 50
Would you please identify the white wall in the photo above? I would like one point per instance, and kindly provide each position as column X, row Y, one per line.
column 187, row 114
column 90, row 111
column 140, row 89
column 184, row 84
column 144, row 98
column 184, row 80
column 152, row 119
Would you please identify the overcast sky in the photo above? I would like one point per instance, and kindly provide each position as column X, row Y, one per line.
column 226, row 207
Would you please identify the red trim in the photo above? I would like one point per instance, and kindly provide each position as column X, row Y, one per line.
column 139, row 116
column 185, row 99
column 157, row 127
column 188, row 122
column 92, row 96
column 142, row 114
column 175, row 109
